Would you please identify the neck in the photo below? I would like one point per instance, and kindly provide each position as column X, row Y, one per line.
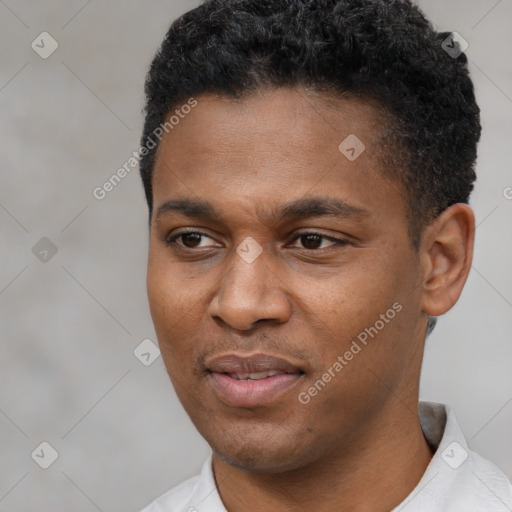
column 374, row 471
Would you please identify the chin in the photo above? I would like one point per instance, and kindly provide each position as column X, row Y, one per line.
column 258, row 461
column 260, row 453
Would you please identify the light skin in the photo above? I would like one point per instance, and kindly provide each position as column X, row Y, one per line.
column 357, row 445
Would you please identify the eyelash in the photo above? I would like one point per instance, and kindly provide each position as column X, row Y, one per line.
column 170, row 240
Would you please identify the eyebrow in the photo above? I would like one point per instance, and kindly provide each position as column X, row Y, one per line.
column 299, row 209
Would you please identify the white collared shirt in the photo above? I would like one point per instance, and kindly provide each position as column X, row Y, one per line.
column 456, row 480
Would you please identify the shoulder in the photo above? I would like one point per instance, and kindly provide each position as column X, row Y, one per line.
column 488, row 483
column 457, row 479
column 176, row 498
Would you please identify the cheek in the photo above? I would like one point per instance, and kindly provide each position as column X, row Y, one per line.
column 177, row 310
column 168, row 296
column 354, row 295
column 349, row 306
column 159, row 296
column 165, row 304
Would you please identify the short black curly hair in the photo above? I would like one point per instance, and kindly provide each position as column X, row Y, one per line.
column 380, row 50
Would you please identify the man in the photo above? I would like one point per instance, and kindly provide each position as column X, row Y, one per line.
column 307, row 166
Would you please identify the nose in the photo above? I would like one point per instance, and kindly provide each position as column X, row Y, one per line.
column 249, row 293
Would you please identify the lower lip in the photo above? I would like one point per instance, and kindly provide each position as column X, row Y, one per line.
column 252, row 393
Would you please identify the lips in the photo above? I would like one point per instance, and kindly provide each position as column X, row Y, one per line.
column 255, row 376
column 251, row 381
column 255, row 363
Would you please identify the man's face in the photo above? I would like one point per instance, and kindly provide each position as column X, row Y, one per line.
column 270, row 285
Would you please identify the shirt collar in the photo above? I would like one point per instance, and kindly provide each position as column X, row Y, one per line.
column 456, row 478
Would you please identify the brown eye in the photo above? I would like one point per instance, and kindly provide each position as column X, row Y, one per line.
column 191, row 240
column 311, row 241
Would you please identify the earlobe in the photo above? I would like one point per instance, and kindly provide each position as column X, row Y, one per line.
column 446, row 254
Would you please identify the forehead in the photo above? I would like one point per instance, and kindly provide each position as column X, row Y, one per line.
column 298, row 119
column 273, row 146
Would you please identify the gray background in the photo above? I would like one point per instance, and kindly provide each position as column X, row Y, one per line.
column 69, row 326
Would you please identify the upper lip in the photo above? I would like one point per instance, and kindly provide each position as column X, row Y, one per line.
column 254, row 363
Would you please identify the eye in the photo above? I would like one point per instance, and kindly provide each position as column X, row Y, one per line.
column 313, row 241
column 310, row 240
column 189, row 239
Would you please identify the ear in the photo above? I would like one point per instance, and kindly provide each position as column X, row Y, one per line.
column 446, row 255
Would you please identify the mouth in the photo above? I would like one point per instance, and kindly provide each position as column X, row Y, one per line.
column 254, row 376
column 252, row 381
